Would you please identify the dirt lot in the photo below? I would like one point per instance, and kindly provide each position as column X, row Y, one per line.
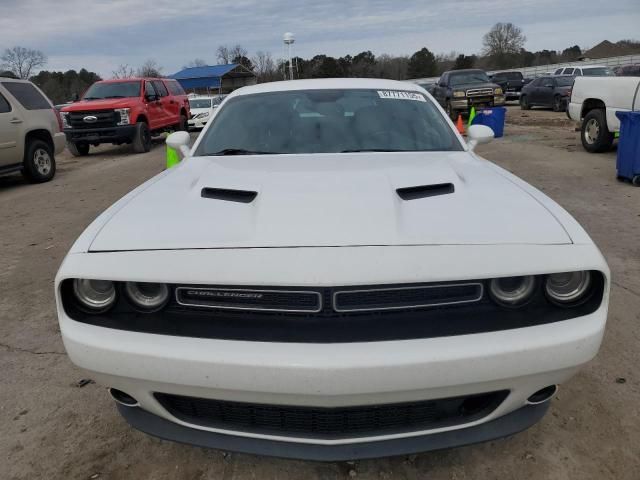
column 52, row 428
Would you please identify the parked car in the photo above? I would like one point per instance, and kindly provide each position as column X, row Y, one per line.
column 547, row 92
column 510, row 82
column 587, row 71
column 627, row 71
column 332, row 273
column 459, row 90
column 203, row 108
column 30, row 131
column 595, row 101
column 121, row 111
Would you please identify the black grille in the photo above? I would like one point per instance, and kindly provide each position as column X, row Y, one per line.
column 248, row 299
column 406, row 297
column 104, row 118
column 331, row 423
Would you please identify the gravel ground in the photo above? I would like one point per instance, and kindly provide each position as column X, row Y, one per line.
column 53, row 428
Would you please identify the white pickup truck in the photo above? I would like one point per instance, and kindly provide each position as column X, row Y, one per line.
column 595, row 101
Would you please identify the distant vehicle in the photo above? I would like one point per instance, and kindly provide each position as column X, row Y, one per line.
column 121, row 111
column 627, row 71
column 459, row 90
column 429, row 86
column 595, row 101
column 547, row 92
column 589, row 71
column 510, row 82
column 203, row 108
column 30, row 131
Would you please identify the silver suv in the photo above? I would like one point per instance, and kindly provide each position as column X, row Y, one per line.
column 30, row 131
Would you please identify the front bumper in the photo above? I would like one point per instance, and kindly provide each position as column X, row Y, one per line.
column 122, row 133
column 467, row 103
column 198, row 122
column 59, row 141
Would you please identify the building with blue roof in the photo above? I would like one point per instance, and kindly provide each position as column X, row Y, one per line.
column 215, row 78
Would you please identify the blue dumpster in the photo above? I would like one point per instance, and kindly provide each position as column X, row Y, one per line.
column 628, row 161
column 492, row 118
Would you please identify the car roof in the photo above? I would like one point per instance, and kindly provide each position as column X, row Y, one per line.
column 327, row 84
column 15, row 79
column 133, row 79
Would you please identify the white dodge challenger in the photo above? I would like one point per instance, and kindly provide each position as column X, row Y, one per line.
column 332, row 273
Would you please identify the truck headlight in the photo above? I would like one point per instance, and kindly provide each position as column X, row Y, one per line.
column 65, row 119
column 458, row 94
column 498, row 91
column 124, row 116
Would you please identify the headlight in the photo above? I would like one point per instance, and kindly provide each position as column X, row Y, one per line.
column 97, row 295
column 567, row 287
column 458, row 94
column 512, row 291
column 147, row 296
column 124, row 116
column 65, row 119
column 498, row 91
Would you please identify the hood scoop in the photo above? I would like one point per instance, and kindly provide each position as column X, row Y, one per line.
column 424, row 191
column 229, row 195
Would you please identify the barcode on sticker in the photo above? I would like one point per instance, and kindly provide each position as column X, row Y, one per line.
column 401, row 95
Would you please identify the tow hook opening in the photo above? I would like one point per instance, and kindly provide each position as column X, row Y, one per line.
column 123, row 398
column 543, row 395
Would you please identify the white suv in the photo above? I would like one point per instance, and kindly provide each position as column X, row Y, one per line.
column 30, row 131
column 586, row 71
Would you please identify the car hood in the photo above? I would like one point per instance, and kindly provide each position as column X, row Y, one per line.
column 104, row 104
column 327, row 200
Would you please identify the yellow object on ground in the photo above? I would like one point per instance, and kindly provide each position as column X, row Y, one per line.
column 472, row 115
column 172, row 158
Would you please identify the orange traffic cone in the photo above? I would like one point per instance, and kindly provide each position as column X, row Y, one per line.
column 460, row 125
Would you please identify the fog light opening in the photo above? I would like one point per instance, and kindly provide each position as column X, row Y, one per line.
column 123, row 398
column 543, row 395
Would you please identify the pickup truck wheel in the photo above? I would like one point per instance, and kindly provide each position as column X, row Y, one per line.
column 183, row 126
column 595, row 135
column 142, row 138
column 524, row 103
column 39, row 162
column 557, row 103
column 78, row 149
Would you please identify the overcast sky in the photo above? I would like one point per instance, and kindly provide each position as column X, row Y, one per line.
column 101, row 34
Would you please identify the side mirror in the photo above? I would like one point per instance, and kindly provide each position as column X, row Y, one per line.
column 179, row 141
column 477, row 135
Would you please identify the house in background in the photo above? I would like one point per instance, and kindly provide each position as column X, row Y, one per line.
column 215, row 78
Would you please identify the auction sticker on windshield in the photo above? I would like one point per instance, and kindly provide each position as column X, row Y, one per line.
column 401, row 95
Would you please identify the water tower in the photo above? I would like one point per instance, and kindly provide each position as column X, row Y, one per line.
column 288, row 40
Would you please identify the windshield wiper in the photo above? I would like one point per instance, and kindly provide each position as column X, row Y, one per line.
column 241, row 151
column 377, row 150
column 116, row 96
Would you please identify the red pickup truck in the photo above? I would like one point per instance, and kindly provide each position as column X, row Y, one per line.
column 121, row 111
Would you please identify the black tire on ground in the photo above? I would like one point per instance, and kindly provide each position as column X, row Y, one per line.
column 183, row 126
column 142, row 138
column 78, row 149
column 557, row 103
column 39, row 162
column 595, row 135
column 636, row 180
column 524, row 103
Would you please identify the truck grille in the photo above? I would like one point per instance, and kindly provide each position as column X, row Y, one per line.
column 480, row 92
column 104, row 118
column 331, row 423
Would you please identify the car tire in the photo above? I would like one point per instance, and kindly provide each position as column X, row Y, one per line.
column 524, row 103
column 142, row 138
column 183, row 126
column 557, row 103
column 636, row 180
column 595, row 136
column 78, row 149
column 39, row 162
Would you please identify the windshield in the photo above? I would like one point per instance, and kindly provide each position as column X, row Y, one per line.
column 508, row 76
column 468, row 77
column 598, row 72
column 200, row 103
column 565, row 81
column 112, row 90
column 328, row 121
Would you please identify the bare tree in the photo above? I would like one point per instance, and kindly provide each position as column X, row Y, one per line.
column 196, row 62
column 22, row 61
column 224, row 54
column 123, row 71
column 264, row 67
column 238, row 51
column 150, row 68
column 503, row 39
